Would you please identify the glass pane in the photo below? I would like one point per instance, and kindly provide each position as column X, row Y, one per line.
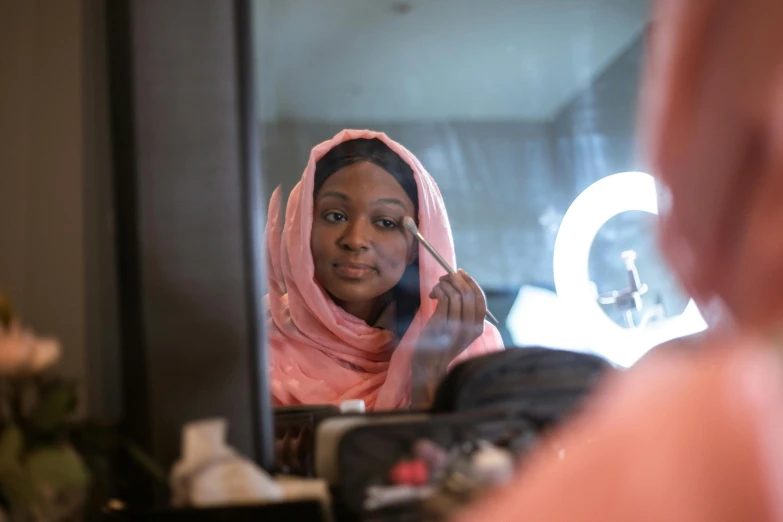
column 515, row 108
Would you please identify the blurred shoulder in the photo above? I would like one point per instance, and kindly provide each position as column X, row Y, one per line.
column 689, row 434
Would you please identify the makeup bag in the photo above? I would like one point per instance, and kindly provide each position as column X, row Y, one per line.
column 364, row 453
column 297, row 428
column 507, row 398
column 544, row 384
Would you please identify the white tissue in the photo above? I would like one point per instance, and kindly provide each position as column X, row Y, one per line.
column 493, row 465
column 352, row 406
column 211, row 473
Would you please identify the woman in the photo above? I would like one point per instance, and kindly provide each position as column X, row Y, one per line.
column 357, row 309
column 695, row 436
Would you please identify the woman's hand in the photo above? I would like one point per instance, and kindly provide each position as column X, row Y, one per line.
column 457, row 322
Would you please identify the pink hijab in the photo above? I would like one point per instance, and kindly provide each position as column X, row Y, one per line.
column 320, row 354
column 697, row 436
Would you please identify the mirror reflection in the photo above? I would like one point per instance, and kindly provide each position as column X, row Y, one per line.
column 488, row 121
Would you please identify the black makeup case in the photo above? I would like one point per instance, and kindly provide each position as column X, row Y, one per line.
column 508, row 399
column 544, row 384
column 296, row 428
column 364, row 454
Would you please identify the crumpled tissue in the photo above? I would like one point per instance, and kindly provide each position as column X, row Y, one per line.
column 210, row 473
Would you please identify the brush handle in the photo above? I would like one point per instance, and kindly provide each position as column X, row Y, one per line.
column 446, row 266
column 435, row 254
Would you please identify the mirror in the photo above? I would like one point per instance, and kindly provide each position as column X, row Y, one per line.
column 514, row 108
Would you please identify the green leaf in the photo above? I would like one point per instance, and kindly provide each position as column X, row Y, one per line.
column 59, row 468
column 19, row 488
column 11, row 444
column 15, row 481
column 54, row 406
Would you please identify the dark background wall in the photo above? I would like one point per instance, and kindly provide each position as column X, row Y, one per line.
column 56, row 215
column 197, row 356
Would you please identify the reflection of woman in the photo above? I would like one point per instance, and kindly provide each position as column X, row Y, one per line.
column 357, row 310
column 698, row 435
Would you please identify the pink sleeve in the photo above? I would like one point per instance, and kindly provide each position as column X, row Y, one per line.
column 695, row 438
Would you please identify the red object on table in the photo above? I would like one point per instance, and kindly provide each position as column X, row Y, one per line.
column 410, row 472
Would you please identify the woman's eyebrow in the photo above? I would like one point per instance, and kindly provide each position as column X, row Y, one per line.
column 391, row 201
column 338, row 195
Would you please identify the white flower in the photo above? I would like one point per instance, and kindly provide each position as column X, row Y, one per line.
column 22, row 352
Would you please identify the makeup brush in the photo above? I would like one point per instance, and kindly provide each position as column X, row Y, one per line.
column 411, row 226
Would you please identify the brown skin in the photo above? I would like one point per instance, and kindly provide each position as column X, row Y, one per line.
column 360, row 251
column 457, row 322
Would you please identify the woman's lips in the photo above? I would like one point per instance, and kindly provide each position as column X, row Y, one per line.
column 353, row 270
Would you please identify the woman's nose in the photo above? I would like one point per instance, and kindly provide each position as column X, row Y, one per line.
column 356, row 236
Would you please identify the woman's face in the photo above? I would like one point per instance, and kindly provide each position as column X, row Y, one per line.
column 360, row 248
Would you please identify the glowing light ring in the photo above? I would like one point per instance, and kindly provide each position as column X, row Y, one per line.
column 600, row 202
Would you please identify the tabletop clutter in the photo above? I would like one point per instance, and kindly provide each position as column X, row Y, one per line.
column 395, row 466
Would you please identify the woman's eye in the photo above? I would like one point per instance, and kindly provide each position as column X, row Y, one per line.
column 386, row 223
column 334, row 217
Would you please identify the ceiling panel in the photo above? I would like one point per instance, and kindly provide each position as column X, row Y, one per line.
column 435, row 60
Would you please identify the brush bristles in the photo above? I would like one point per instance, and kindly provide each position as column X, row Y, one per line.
column 408, row 223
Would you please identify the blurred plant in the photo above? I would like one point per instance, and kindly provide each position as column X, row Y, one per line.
column 48, row 459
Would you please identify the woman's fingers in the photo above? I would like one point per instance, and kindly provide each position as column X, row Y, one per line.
column 455, row 305
column 465, row 321
column 468, row 293
column 459, row 314
column 440, row 296
column 457, row 321
column 470, row 303
column 436, row 336
column 480, row 308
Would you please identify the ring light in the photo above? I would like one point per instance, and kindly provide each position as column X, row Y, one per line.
column 600, row 202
